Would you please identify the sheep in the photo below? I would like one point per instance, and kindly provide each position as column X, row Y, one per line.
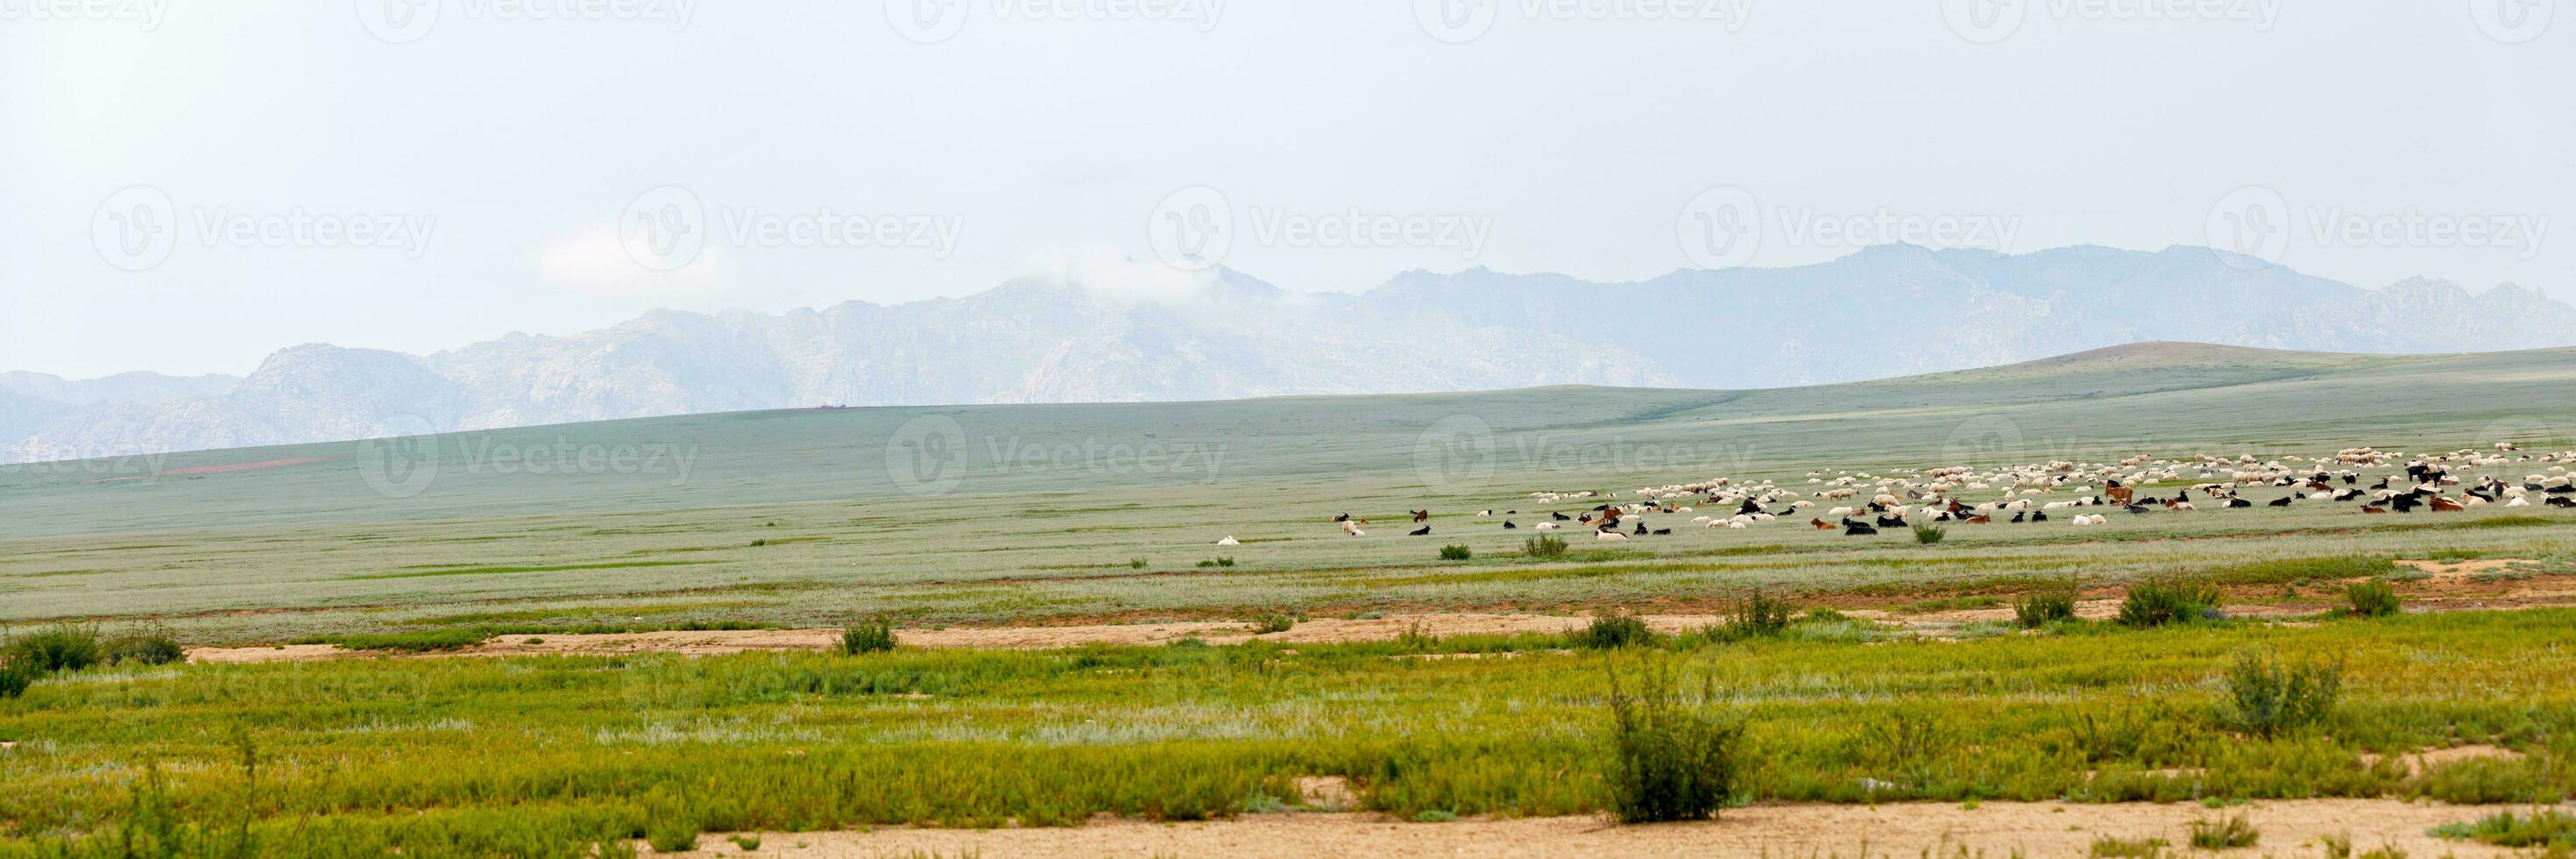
column 1352, row 528
column 1545, row 526
column 1228, row 541
column 1608, row 535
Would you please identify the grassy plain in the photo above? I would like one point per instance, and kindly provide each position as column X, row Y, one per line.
column 823, row 518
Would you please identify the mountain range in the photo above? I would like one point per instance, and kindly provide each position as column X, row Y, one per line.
column 1884, row 311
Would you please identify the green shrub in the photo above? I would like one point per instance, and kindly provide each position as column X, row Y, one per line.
column 1930, row 534
column 669, row 834
column 874, row 635
column 1668, row 760
column 14, row 680
column 1273, row 623
column 2372, row 598
column 2223, row 833
column 1455, row 553
column 1135, row 563
column 2537, row 828
column 62, row 648
column 747, row 843
column 1415, row 639
column 1543, row 546
column 1217, row 562
column 1613, row 630
column 1757, row 616
column 2046, row 606
column 2160, row 602
column 2273, row 698
column 144, row 650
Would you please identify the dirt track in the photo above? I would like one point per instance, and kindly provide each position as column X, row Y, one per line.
column 2448, row 587
column 1996, row 829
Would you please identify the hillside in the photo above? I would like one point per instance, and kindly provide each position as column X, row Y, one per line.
column 1882, row 312
column 2170, row 398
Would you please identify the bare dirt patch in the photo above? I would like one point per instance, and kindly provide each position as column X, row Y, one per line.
column 1910, row 829
column 2418, row 761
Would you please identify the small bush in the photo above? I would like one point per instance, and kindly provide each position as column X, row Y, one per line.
column 671, row 835
column 2537, row 828
column 1455, row 553
column 62, row 648
column 1415, row 639
column 14, row 680
column 1930, row 534
column 759, row 543
column 874, row 635
column 1217, row 562
column 1668, row 761
column 144, row 650
column 1610, row 630
column 1273, row 623
column 1757, row 616
column 2161, row 602
column 1543, row 546
column 746, row 843
column 2372, row 598
column 1135, row 563
column 2046, row 606
column 2272, row 698
column 2223, row 833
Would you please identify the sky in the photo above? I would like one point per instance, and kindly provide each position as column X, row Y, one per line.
column 188, row 187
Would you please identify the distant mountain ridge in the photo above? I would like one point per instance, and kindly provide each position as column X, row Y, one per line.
column 1885, row 311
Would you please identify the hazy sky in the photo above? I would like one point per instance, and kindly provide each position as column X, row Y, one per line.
column 188, row 186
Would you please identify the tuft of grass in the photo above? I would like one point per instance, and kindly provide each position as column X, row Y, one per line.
column 874, row 635
column 1216, row 562
column 2046, row 606
column 1269, row 623
column 2159, row 602
column 1611, row 630
column 14, row 680
column 1930, row 534
column 2107, row 847
column 746, row 843
column 1668, row 760
column 1456, row 553
column 2372, row 598
column 62, row 648
column 2537, row 828
column 1135, row 563
column 1543, row 546
column 2224, row 833
column 669, row 835
column 2273, row 698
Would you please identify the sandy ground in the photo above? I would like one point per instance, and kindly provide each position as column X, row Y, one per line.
column 2450, row 587
column 1995, row 829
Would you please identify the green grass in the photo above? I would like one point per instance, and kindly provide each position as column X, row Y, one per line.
column 565, row 751
column 2535, row 828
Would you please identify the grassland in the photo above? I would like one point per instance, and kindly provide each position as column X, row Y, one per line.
column 807, row 519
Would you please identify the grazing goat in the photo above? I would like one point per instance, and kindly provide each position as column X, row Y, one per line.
column 1419, row 532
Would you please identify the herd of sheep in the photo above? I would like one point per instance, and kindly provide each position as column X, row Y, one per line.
column 1861, row 503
